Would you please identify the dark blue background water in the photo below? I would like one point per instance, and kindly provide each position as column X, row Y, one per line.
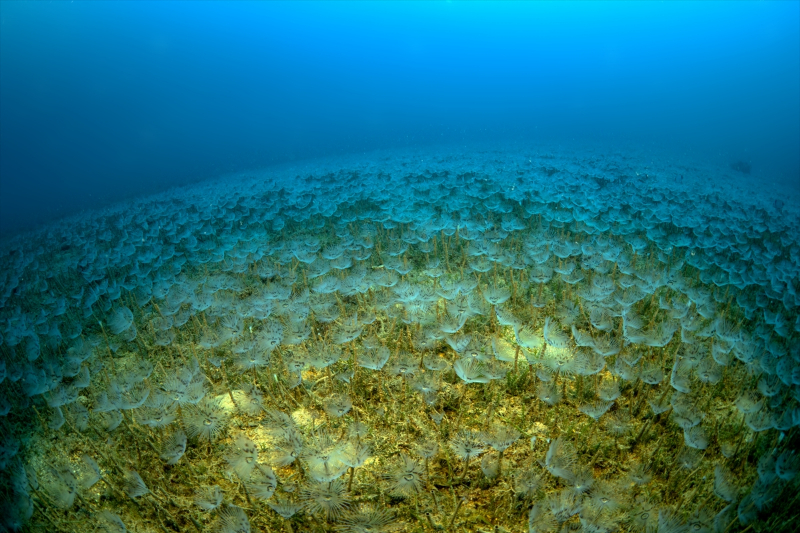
column 101, row 100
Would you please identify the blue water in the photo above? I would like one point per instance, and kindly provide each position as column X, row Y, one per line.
column 100, row 101
column 383, row 238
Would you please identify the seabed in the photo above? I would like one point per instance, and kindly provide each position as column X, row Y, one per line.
column 485, row 339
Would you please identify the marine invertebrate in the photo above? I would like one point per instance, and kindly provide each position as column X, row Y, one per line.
column 466, row 445
column 206, row 420
column 242, row 457
column 61, row 485
column 500, row 437
column 329, row 498
column 367, row 519
column 134, row 485
column 470, row 371
column 208, row 498
column 232, row 519
column 407, row 477
column 173, row 447
column 284, row 507
column 596, row 409
column 111, row 523
column 262, row 482
column 527, row 482
column 338, row 405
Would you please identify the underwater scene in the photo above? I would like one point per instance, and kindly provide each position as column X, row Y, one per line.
column 486, row 334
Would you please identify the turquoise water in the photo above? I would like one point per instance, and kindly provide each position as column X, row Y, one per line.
column 371, row 271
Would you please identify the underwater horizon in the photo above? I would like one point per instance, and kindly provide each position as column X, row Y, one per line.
column 105, row 101
column 421, row 267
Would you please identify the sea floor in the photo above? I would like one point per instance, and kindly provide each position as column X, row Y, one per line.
column 489, row 338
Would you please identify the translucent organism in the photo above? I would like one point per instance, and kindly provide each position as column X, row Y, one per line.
column 111, row 523
column 208, row 498
column 548, row 393
column 206, row 420
column 134, row 485
column 173, row 447
column 232, row 519
column 328, row 498
column 526, row 482
column 242, row 457
column 596, row 409
column 560, row 459
column 724, row 486
column 338, row 405
column 262, row 482
column 470, row 371
column 284, row 507
column 367, row 519
column 466, row 445
column 407, row 477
